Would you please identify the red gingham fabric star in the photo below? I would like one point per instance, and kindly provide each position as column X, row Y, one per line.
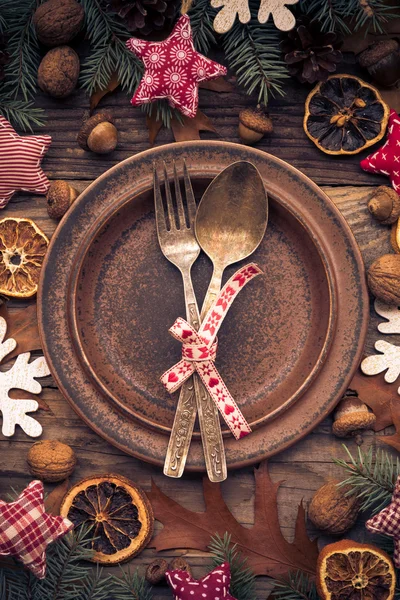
column 20, row 159
column 26, row 530
column 173, row 69
column 388, row 522
column 214, row 586
column 386, row 160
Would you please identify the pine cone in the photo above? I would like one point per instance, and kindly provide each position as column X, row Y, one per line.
column 145, row 16
column 311, row 55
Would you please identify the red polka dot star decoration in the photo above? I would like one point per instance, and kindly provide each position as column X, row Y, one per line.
column 214, row 586
column 20, row 159
column 173, row 69
column 26, row 530
column 386, row 160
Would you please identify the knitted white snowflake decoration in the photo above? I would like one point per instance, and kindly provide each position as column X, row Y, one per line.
column 391, row 313
column 282, row 16
column 21, row 376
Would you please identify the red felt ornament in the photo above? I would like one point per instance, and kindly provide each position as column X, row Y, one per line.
column 387, row 521
column 214, row 586
column 26, row 530
column 386, row 160
column 20, row 159
column 173, row 69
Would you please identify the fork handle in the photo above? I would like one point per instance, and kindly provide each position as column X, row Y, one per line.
column 193, row 394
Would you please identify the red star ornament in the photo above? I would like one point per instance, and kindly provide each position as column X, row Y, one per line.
column 26, row 530
column 173, row 69
column 214, row 586
column 386, row 160
column 20, row 159
column 388, row 522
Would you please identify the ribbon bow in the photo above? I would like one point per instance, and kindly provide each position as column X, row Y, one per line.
column 199, row 349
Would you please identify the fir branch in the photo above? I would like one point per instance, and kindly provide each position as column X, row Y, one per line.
column 21, row 114
column 109, row 52
column 297, row 586
column 23, row 48
column 95, row 586
column 202, row 16
column 372, row 481
column 329, row 13
column 253, row 52
column 131, row 586
column 163, row 112
column 242, row 578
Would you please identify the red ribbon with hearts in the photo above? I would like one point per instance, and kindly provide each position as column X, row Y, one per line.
column 199, row 349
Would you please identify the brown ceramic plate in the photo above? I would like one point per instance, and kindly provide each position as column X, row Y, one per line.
column 299, row 329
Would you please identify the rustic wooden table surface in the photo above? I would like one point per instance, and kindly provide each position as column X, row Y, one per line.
column 304, row 467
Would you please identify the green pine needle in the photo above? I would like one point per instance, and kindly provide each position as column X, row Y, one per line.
column 372, row 480
column 131, row 586
column 202, row 15
column 242, row 579
column 21, row 114
column 297, row 586
column 351, row 15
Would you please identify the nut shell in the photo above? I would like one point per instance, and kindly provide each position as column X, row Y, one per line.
column 58, row 21
column 352, row 416
column 180, row 564
column 382, row 60
column 89, row 125
column 50, row 460
column 155, row 572
column 59, row 71
column 384, row 278
column 385, row 205
column 59, row 198
column 103, row 138
column 331, row 510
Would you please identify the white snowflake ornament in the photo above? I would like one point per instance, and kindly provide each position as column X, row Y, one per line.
column 282, row 16
column 388, row 361
column 391, row 313
column 21, row 376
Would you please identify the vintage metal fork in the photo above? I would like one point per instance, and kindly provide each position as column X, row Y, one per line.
column 178, row 243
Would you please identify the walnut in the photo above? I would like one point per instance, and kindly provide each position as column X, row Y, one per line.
column 384, row 278
column 331, row 510
column 59, row 71
column 58, row 21
column 50, row 460
column 155, row 572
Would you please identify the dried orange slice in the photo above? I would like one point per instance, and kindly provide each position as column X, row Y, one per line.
column 349, row 570
column 118, row 510
column 22, row 246
column 344, row 115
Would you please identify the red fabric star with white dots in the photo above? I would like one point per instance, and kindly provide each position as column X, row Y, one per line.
column 173, row 69
column 388, row 522
column 26, row 530
column 386, row 160
column 20, row 159
column 214, row 586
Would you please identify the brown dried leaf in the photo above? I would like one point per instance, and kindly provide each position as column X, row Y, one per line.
column 391, row 96
column 267, row 551
column 22, row 326
column 377, row 394
column 217, row 85
column 52, row 504
column 154, row 126
column 190, row 128
column 23, row 395
column 393, row 440
column 99, row 94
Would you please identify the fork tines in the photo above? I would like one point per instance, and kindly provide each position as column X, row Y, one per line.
column 169, row 219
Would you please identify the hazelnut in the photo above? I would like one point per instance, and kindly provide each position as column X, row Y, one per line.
column 180, row 564
column 385, row 205
column 155, row 572
column 59, row 71
column 99, row 134
column 254, row 124
column 58, row 21
column 332, row 510
column 382, row 61
column 59, row 198
column 50, row 460
column 384, row 278
column 351, row 417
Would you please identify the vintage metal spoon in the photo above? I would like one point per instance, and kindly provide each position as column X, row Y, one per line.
column 230, row 223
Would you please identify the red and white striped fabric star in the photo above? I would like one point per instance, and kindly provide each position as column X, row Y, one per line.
column 199, row 351
column 386, row 160
column 173, row 69
column 26, row 530
column 214, row 586
column 20, row 159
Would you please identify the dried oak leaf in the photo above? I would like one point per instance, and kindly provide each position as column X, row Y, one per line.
column 22, row 326
column 393, row 440
column 53, row 501
column 267, row 551
column 377, row 394
column 188, row 130
column 98, row 94
column 220, row 84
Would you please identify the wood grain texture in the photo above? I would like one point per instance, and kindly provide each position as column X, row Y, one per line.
column 305, row 466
